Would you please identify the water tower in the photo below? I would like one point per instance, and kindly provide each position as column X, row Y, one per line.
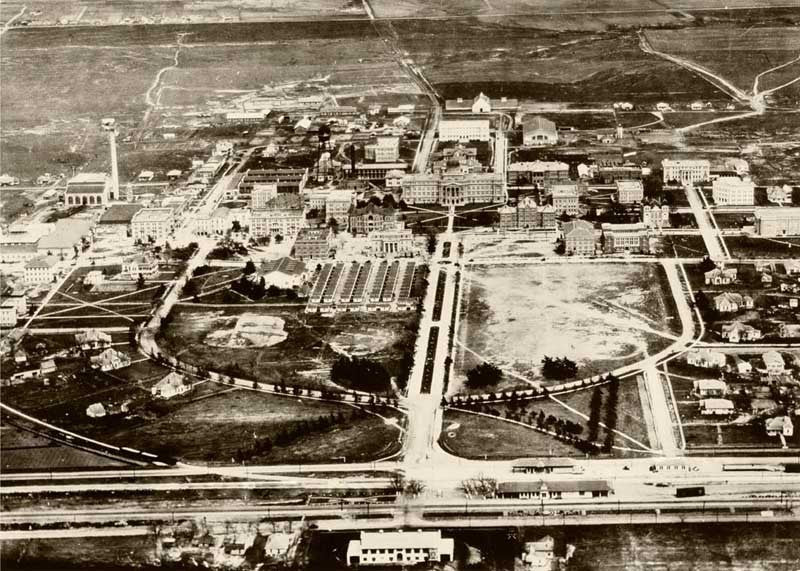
column 110, row 126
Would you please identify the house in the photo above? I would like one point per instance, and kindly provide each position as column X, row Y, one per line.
column 277, row 545
column 743, row 367
column 539, row 555
column 526, row 490
column 285, row 273
column 96, row 410
column 716, row 407
column 110, row 360
column 710, row 388
column 93, row 278
column 706, row 358
column 720, row 276
column 780, row 426
column 20, row 357
column 762, row 405
column 46, row 367
column 736, row 332
column 92, row 339
column 144, row 265
column 399, row 548
column 170, row 386
column 773, row 362
column 579, row 237
column 543, row 465
column 766, row 278
column 728, row 302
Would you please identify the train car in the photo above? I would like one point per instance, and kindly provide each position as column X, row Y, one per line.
column 748, row 468
column 690, row 492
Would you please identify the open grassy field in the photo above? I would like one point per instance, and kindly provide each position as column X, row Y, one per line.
column 214, row 428
column 502, row 57
column 601, row 317
column 299, row 347
column 749, row 247
column 735, row 54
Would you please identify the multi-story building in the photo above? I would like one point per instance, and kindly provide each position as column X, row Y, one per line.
column 371, row 217
column 383, row 150
column 283, row 215
column 686, row 170
column 453, row 188
column 460, row 159
column 395, row 240
column 286, row 180
column 732, row 190
column 783, row 221
column 464, row 130
column 399, row 548
column 655, row 216
column 261, row 194
column 539, row 173
column 216, row 223
column 89, row 188
column 245, row 118
column 481, row 104
column 565, row 198
column 629, row 191
column 337, row 206
column 373, row 171
column 144, row 265
column 578, row 237
column 625, row 238
column 152, row 224
column 313, row 243
column 527, row 214
column 538, row 131
column 41, row 270
column 117, row 219
column 394, row 179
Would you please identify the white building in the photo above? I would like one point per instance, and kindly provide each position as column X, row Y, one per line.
column 152, row 224
column 218, row 222
column 733, row 190
column 143, row 265
column 262, row 193
column 388, row 242
column 773, row 362
column 337, row 206
column 783, row 221
column 170, row 386
column 8, row 315
column 399, row 548
column 686, row 170
column 565, row 198
column 41, row 270
column 538, row 131
column 629, row 191
column 655, row 217
column 88, row 188
column 285, row 273
column 464, row 130
column 716, row 407
column 383, row 150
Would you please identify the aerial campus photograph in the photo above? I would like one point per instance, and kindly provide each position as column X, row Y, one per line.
column 492, row 285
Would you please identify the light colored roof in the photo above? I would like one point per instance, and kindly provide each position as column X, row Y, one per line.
column 285, row 265
column 777, row 213
column 629, row 184
column 279, row 541
column 153, row 215
column 717, row 404
column 636, row 227
column 88, row 178
column 710, row 385
column 544, row 462
column 339, row 195
column 554, row 486
column 564, row 190
column 172, row 379
column 400, row 539
column 537, row 123
column 772, row 357
column 686, row 162
column 778, row 423
column 67, row 233
column 538, row 166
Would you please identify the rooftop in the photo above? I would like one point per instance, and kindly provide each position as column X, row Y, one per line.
column 67, row 233
column 400, row 539
column 88, row 178
column 554, row 486
column 284, row 265
column 537, row 123
column 153, row 215
column 120, row 213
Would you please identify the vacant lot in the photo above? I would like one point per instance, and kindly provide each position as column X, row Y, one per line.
column 747, row 247
column 296, row 348
column 601, row 316
column 213, row 429
column 738, row 54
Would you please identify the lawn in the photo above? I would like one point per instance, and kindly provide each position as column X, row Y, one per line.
column 682, row 246
column 214, row 428
column 600, row 316
column 478, row 437
column 299, row 348
column 750, row 247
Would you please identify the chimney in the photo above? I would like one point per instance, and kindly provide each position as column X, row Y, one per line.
column 353, row 161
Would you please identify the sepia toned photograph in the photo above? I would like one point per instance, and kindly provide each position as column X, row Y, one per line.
column 430, row 285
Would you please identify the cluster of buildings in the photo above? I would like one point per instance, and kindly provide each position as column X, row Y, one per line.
column 581, row 238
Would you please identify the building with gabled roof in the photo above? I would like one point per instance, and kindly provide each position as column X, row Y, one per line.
column 527, row 489
column 710, row 388
column 41, row 270
column 88, row 188
column 92, row 339
column 579, row 237
column 172, row 385
column 285, row 273
column 399, row 548
column 779, row 426
column 110, row 360
column 773, row 362
column 737, row 332
column 716, row 407
column 538, row 131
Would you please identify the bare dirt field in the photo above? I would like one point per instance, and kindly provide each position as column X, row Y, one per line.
column 602, row 317
column 299, row 348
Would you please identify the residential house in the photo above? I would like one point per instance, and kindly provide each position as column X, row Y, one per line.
column 144, row 265
column 728, row 302
column 567, row 489
column 47, row 367
column 773, row 362
column 92, row 339
column 399, row 548
column 579, row 237
column 110, row 360
column 742, row 367
column 737, row 332
column 706, row 358
column 706, row 388
column 780, row 426
column 539, row 555
column 96, row 410
column 277, row 545
column 762, row 405
column 93, row 278
column 172, row 385
column 720, row 276
column 716, row 407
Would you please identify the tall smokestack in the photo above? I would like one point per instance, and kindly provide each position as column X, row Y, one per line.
column 353, row 161
column 112, row 142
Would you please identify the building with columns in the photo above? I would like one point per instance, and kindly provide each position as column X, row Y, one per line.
column 453, row 188
column 89, row 189
column 392, row 241
column 686, row 170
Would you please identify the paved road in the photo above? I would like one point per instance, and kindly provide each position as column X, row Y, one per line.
column 711, row 238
